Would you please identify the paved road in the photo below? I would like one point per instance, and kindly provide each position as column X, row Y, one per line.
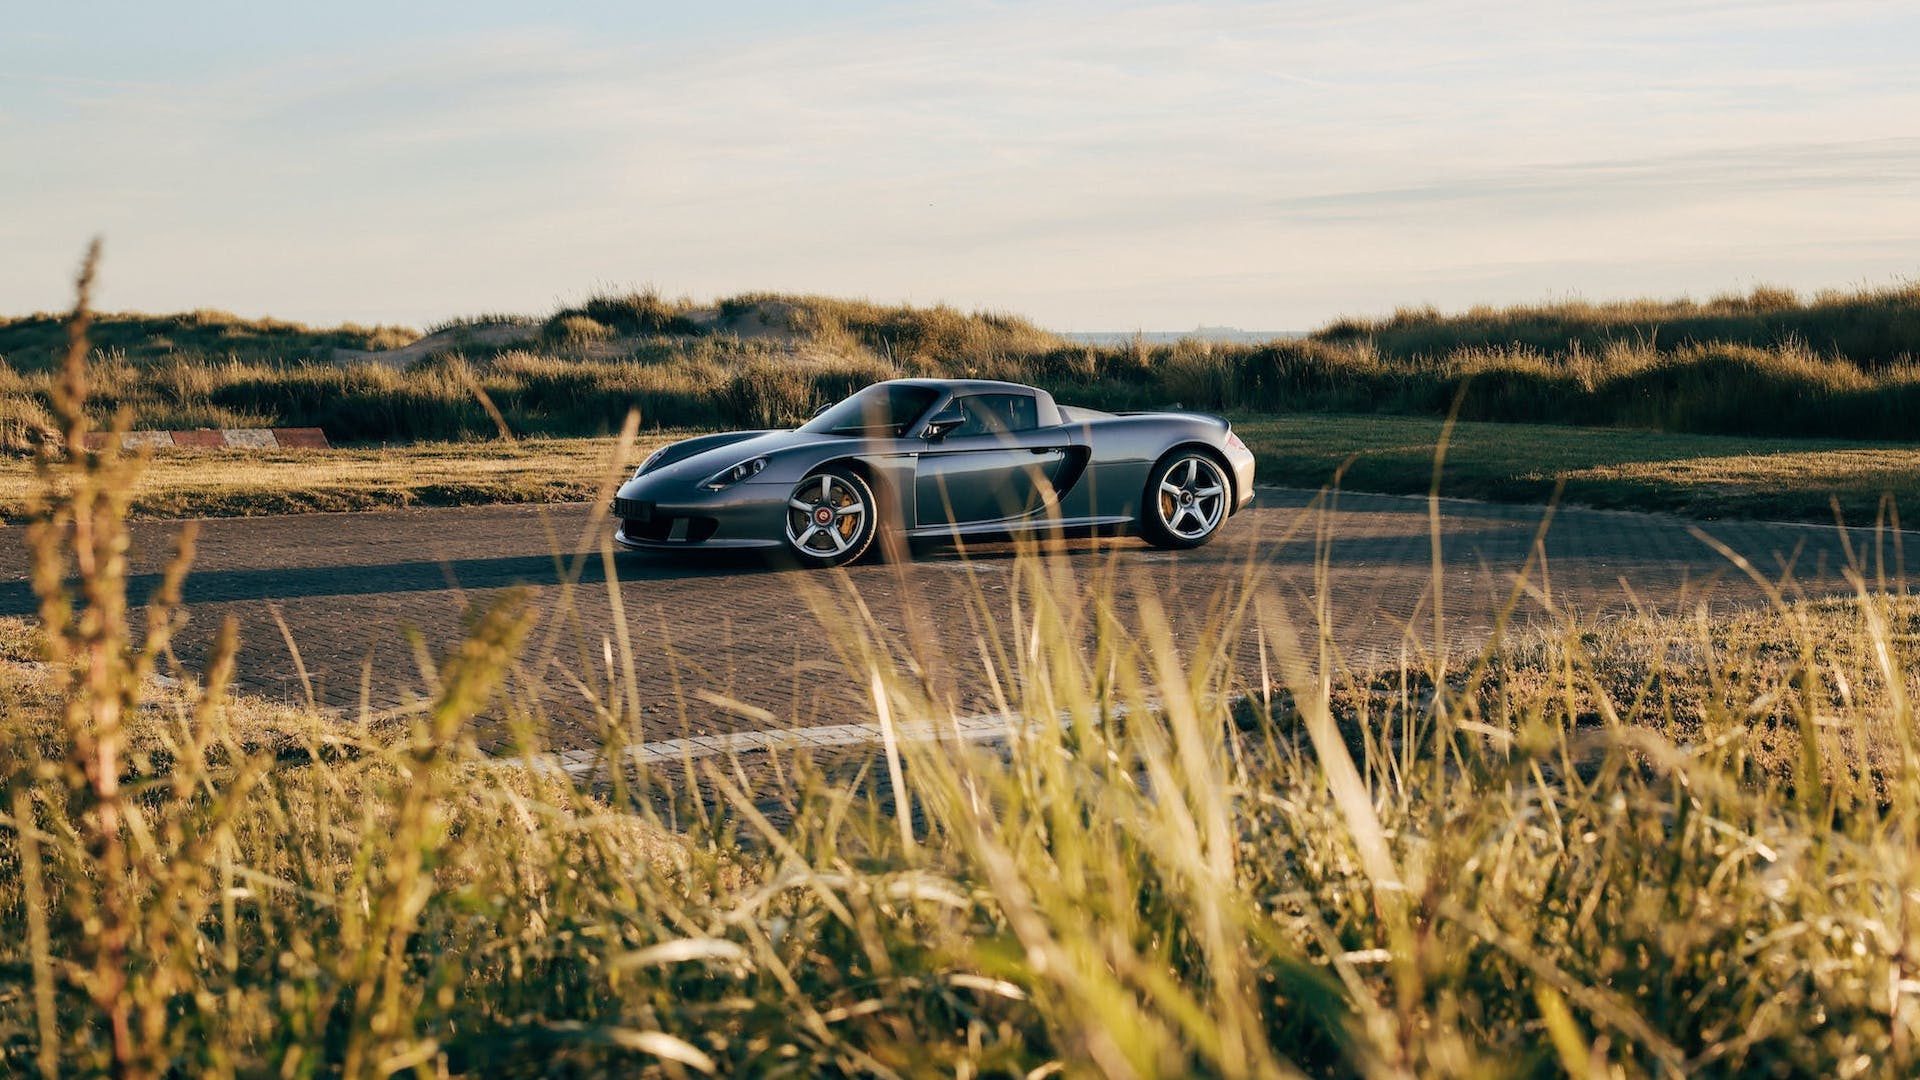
column 730, row 645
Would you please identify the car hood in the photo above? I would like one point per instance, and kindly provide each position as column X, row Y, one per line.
column 775, row 445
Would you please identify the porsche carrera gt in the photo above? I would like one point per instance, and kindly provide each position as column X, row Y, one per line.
column 939, row 460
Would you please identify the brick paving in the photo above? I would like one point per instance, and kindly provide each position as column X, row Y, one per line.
column 723, row 645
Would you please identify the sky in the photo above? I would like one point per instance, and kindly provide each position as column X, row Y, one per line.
column 1092, row 166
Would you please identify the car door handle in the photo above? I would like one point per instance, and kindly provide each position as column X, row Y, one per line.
column 1045, row 450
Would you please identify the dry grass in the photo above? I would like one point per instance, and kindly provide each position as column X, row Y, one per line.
column 1766, row 364
column 1745, row 682
column 1590, row 851
column 1870, row 327
column 35, row 342
column 221, row 483
column 32, row 695
column 1702, row 476
column 708, row 384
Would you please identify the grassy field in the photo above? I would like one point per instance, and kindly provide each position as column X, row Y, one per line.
column 236, row 483
column 1672, row 847
column 1683, row 846
column 1705, row 476
column 1763, row 365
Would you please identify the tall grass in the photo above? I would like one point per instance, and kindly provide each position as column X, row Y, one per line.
column 1702, row 389
column 938, row 336
column 38, row 341
column 1764, row 364
column 1871, row 328
column 1209, row 845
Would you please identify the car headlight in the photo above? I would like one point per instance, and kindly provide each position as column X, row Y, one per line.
column 726, row 478
column 651, row 458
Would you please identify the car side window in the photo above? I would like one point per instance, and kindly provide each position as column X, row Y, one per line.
column 996, row 414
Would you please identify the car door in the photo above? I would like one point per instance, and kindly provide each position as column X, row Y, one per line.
column 999, row 465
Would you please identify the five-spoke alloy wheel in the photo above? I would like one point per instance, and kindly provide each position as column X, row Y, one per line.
column 831, row 517
column 1187, row 498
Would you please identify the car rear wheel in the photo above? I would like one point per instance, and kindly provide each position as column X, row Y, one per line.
column 831, row 518
column 1186, row 500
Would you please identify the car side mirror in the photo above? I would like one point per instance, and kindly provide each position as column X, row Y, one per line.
column 949, row 417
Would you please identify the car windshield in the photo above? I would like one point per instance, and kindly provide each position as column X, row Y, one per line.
column 880, row 409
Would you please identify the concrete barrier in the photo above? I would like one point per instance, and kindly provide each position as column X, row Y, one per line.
column 309, row 438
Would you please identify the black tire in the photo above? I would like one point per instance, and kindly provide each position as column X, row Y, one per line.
column 1189, row 496
column 834, row 491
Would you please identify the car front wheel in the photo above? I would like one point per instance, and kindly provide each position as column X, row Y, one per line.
column 831, row 518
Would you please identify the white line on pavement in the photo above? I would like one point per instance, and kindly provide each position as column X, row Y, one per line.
column 583, row 763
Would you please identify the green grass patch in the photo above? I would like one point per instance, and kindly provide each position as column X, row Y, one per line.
column 1704, row 476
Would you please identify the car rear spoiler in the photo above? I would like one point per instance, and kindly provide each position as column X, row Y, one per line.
column 1223, row 421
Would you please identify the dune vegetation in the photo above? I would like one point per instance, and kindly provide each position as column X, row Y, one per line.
column 1675, row 845
column 1766, row 364
column 36, row 341
column 1872, row 328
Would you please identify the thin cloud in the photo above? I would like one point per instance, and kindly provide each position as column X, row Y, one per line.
column 1889, row 165
column 1157, row 164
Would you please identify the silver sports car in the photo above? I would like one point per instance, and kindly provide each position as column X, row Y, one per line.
column 939, row 459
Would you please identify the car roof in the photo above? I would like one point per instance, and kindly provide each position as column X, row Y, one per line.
column 972, row 386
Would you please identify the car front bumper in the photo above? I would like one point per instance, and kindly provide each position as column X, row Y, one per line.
column 745, row 516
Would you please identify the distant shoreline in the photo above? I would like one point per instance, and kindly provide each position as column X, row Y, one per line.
column 1220, row 334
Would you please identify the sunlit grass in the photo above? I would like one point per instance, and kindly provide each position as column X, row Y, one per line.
column 1870, row 327
column 1841, row 366
column 1696, row 475
column 217, row 483
column 1681, row 844
column 1700, row 476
